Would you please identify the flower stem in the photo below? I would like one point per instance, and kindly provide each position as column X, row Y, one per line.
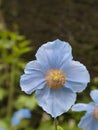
column 11, row 92
column 55, row 123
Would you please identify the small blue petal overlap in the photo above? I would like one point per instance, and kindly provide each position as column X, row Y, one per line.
column 19, row 115
column 94, row 95
column 15, row 120
column 90, row 120
column 25, row 113
column 55, row 77
column 83, row 107
column 79, row 107
column 56, row 102
column 77, row 75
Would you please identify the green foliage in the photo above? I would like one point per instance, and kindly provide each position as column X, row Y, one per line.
column 59, row 128
column 49, row 126
column 3, row 94
column 25, row 125
column 12, row 49
column 25, row 101
column 3, row 124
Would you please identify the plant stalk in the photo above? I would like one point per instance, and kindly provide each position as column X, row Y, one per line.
column 11, row 92
column 55, row 123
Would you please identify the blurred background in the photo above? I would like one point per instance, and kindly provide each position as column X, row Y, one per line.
column 24, row 26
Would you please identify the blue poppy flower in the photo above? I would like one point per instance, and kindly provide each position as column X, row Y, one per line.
column 19, row 115
column 55, row 77
column 90, row 120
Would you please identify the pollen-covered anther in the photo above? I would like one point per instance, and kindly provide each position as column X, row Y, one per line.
column 55, row 78
column 95, row 113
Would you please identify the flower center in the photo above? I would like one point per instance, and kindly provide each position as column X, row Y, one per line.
column 95, row 113
column 55, row 78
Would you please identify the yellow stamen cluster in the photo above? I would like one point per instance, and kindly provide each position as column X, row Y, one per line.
column 55, row 78
column 95, row 113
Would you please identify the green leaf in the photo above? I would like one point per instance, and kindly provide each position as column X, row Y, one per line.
column 4, row 124
column 95, row 80
column 3, row 93
column 59, row 128
column 24, row 50
column 24, row 43
column 26, row 101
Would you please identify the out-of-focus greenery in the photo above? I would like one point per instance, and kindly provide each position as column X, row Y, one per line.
column 12, row 47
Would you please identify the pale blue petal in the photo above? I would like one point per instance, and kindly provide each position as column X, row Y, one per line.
column 75, row 86
column 25, row 113
column 79, row 107
column 94, row 95
column 83, row 107
column 55, row 101
column 15, row 120
column 77, row 76
column 54, row 54
column 18, row 115
column 88, row 122
column 1, row 128
column 30, row 82
column 75, row 71
column 34, row 66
